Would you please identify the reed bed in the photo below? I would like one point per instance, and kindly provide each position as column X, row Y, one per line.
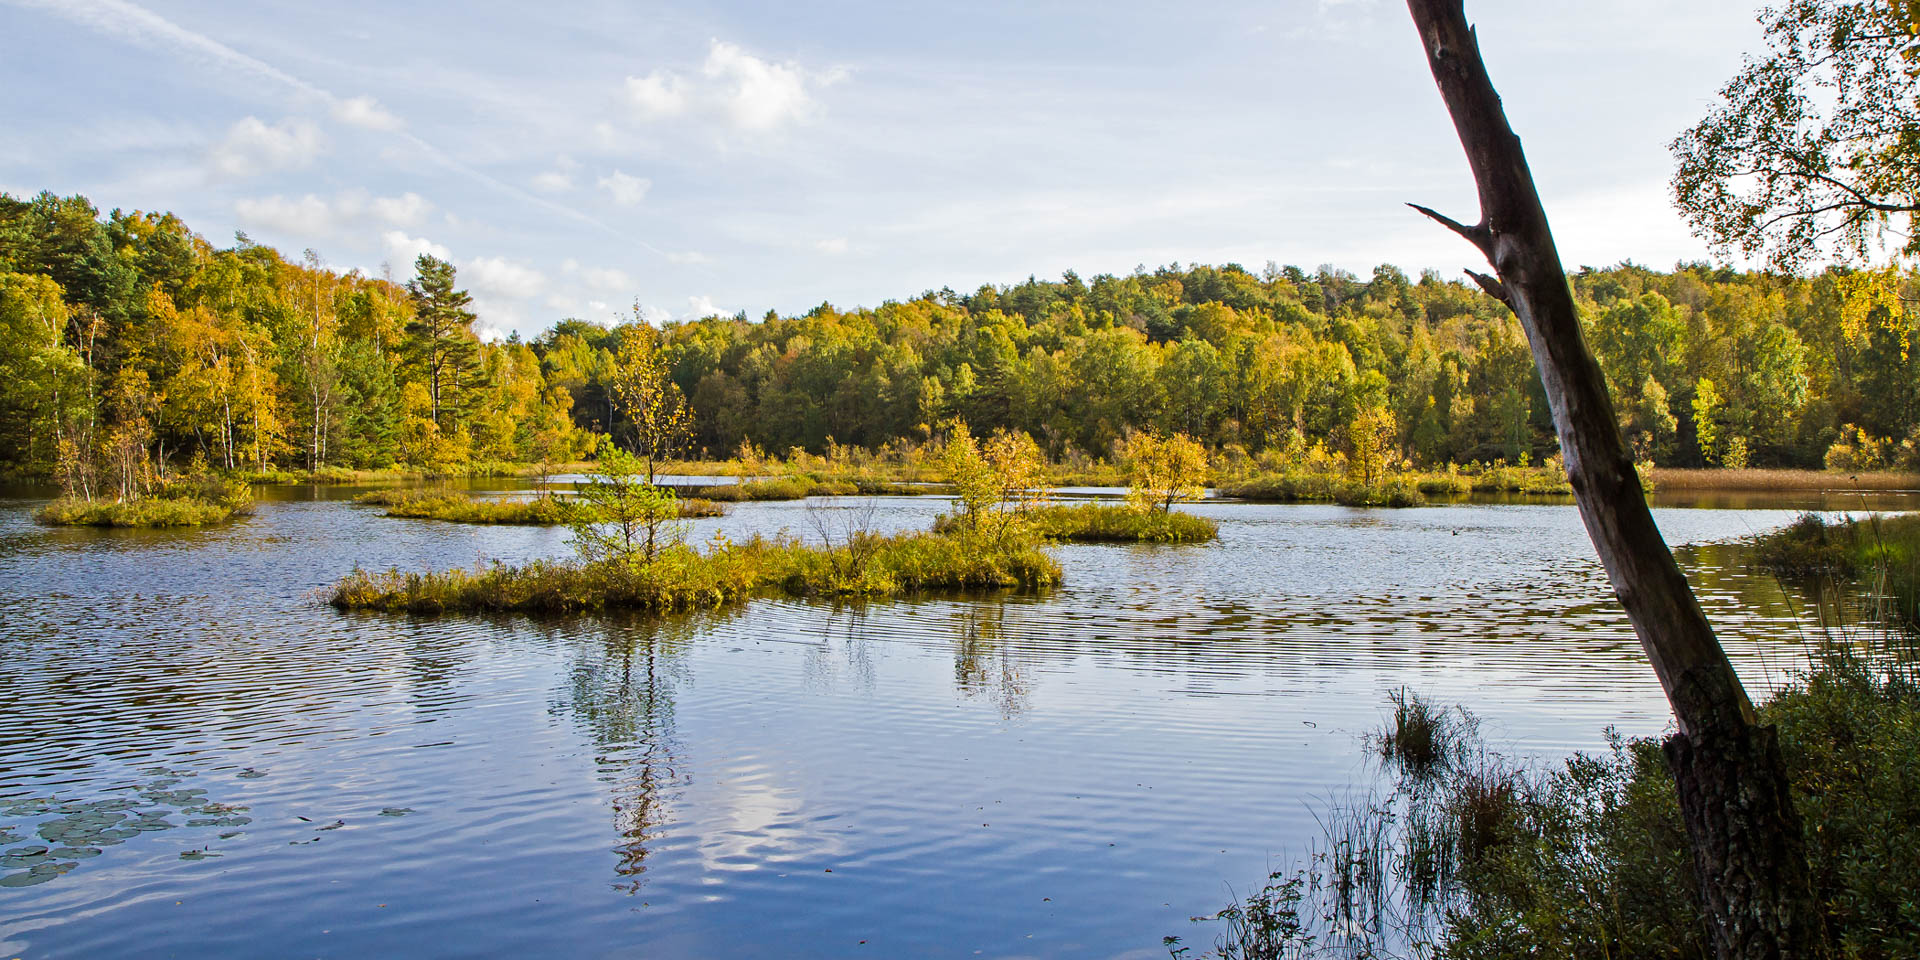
column 1669, row 478
column 1116, row 523
column 182, row 502
column 684, row 578
column 539, row 511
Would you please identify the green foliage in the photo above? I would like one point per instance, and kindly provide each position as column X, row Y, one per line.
column 994, row 486
column 1163, row 471
column 1812, row 148
column 440, row 344
column 131, row 346
column 539, row 511
column 1878, row 553
column 185, row 502
column 623, row 516
column 683, row 578
column 1490, row 860
column 132, row 513
column 1114, row 523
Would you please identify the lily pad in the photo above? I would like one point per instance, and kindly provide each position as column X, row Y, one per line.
column 197, row 854
column 26, row 851
column 29, row 860
column 24, row 879
column 74, row 853
column 250, row 774
column 395, row 811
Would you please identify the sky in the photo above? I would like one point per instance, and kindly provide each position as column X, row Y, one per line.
column 593, row 159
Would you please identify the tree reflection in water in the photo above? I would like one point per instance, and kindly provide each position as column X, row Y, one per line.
column 984, row 666
column 620, row 687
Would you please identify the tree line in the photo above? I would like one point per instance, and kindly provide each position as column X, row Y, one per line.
column 130, row 344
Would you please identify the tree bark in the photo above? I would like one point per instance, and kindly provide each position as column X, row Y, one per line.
column 1749, row 852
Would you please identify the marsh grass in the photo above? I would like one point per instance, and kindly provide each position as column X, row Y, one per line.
column 1304, row 487
column 1423, row 740
column 685, row 578
column 189, row 502
column 1669, row 478
column 1118, row 523
column 1493, row 859
column 538, row 511
column 132, row 513
column 1874, row 558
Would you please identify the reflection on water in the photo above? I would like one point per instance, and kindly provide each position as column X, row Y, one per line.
column 197, row 757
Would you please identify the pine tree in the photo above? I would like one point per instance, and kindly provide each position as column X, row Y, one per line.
column 440, row 342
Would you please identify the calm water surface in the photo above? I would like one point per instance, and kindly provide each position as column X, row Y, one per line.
column 1067, row 775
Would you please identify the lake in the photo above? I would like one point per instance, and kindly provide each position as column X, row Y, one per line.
column 1075, row 773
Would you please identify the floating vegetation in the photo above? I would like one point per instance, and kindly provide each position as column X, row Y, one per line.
column 83, row 829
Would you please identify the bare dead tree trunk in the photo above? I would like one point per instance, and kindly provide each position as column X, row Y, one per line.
column 1749, row 853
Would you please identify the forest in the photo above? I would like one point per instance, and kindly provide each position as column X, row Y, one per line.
column 131, row 347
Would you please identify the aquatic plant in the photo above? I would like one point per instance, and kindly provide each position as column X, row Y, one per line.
column 539, row 511
column 684, row 578
column 1490, row 859
column 1882, row 553
column 1118, row 523
column 185, row 502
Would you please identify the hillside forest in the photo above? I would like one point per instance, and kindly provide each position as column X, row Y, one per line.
column 131, row 347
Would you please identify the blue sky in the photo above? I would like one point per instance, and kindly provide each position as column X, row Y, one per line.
column 573, row 159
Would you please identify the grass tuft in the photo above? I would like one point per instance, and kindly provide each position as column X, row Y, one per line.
column 1116, row 523
column 683, row 578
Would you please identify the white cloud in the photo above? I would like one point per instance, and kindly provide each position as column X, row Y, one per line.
column 688, row 256
column 366, row 112
column 658, row 94
column 307, row 217
column 759, row 95
column 493, row 320
column 649, row 313
column 562, row 303
column 311, row 218
column 252, row 147
column 605, row 278
column 406, row 210
column 702, row 307
column 560, row 178
column 626, row 190
column 502, row 277
column 405, row 248
column 832, row 246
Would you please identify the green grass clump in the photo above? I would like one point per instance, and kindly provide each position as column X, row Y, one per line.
column 540, row 511
column 1117, row 523
column 189, row 502
column 1487, row 859
column 683, row 578
column 132, row 513
column 1881, row 551
column 1314, row 487
column 783, row 488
